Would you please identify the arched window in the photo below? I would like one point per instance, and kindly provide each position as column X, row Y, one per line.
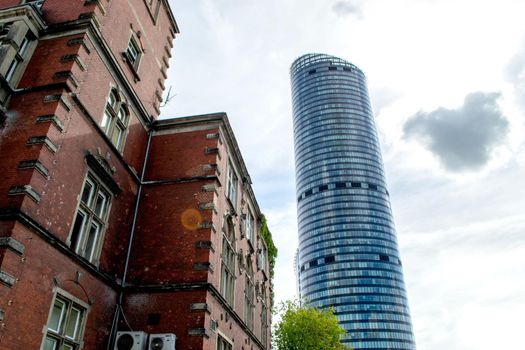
column 228, row 261
column 115, row 119
column 249, row 294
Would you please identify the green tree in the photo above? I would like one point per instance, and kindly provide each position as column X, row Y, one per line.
column 307, row 328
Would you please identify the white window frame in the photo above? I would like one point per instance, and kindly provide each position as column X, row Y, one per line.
column 93, row 216
column 249, row 294
column 250, row 227
column 228, row 258
column 59, row 335
column 232, row 183
column 223, row 342
column 134, row 52
column 115, row 120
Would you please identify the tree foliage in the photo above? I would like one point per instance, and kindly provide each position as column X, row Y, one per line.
column 307, row 328
column 272, row 251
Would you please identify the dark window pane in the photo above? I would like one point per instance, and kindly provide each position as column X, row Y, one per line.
column 329, row 259
column 78, row 227
column 384, row 257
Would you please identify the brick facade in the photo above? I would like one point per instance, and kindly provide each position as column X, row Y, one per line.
column 145, row 252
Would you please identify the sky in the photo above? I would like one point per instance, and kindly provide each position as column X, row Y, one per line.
column 447, row 83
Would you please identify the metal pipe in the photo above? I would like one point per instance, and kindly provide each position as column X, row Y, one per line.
column 118, row 309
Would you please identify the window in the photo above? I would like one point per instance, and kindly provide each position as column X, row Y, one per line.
column 65, row 325
column 16, row 51
column 231, row 185
column 19, row 58
column 223, row 344
column 91, row 220
column 249, row 294
column 264, row 318
column 37, row 3
column 133, row 53
column 250, row 223
column 263, row 255
column 329, row 259
column 115, row 120
column 384, row 257
column 228, row 262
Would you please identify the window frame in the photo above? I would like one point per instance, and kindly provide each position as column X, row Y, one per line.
column 223, row 342
column 37, row 3
column 116, row 117
column 232, row 184
column 15, row 64
column 228, row 258
column 250, row 227
column 132, row 60
column 264, row 317
column 249, row 294
column 93, row 216
column 60, row 335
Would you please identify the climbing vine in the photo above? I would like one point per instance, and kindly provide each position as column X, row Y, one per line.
column 272, row 251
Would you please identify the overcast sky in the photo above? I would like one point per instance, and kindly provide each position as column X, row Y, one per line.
column 447, row 82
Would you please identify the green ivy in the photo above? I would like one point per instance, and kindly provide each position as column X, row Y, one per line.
column 272, row 251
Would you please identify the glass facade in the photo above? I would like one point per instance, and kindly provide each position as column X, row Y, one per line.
column 348, row 254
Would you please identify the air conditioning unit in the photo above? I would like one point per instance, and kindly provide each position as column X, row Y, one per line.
column 131, row 341
column 162, row 341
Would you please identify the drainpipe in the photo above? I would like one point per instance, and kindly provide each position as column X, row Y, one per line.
column 118, row 309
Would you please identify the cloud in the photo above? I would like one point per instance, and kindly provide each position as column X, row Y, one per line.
column 347, row 7
column 515, row 73
column 462, row 139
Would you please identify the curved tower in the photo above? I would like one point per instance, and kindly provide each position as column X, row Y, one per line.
column 348, row 252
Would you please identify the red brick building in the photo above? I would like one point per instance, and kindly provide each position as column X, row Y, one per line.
column 115, row 225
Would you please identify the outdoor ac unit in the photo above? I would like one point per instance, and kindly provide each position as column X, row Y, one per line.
column 131, row 341
column 162, row 341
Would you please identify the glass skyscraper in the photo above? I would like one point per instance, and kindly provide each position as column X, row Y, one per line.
column 348, row 254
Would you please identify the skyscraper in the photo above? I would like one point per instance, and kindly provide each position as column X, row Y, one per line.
column 348, row 252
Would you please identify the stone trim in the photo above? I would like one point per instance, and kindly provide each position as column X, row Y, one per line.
column 60, row 98
column 43, row 140
column 68, row 75
column 196, row 307
column 210, row 188
column 25, row 190
column 203, row 266
column 51, row 118
column 208, row 206
column 12, row 244
column 34, row 164
column 7, row 279
column 205, row 245
column 199, row 332
column 101, row 167
column 74, row 57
